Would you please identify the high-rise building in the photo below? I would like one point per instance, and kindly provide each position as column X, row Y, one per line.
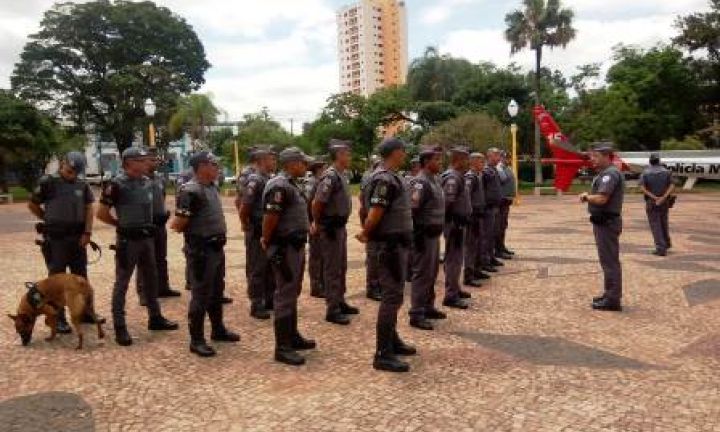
column 372, row 45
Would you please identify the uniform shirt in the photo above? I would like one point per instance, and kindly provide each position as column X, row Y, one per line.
column 242, row 181
column 609, row 182
column 159, row 192
column 202, row 205
column 389, row 191
column 476, row 190
column 457, row 198
column 65, row 202
column 657, row 179
column 132, row 198
column 427, row 200
column 333, row 190
column 507, row 181
column 493, row 188
column 253, row 194
column 283, row 195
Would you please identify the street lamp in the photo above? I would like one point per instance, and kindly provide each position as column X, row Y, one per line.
column 150, row 111
column 513, row 109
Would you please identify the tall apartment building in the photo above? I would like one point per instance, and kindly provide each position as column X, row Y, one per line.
column 372, row 45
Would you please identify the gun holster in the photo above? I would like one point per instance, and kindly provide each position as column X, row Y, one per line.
column 276, row 256
column 602, row 218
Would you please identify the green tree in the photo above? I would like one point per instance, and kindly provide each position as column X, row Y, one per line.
column 97, row 62
column 257, row 129
column 436, row 77
column 479, row 131
column 28, row 140
column 194, row 114
column 539, row 24
column 689, row 143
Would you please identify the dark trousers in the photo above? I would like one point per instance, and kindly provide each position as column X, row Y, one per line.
column 260, row 279
column 501, row 225
column 391, row 271
column 454, row 239
column 207, row 284
column 658, row 217
column 473, row 247
column 287, row 291
column 425, row 263
column 61, row 253
column 333, row 250
column 607, row 240
column 488, row 235
column 132, row 253
column 371, row 263
column 315, row 265
column 161, row 262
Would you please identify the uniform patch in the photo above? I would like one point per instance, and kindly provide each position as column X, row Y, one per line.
column 278, row 197
column 382, row 190
column 418, row 186
column 606, row 179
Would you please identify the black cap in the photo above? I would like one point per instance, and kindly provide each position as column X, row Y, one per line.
column 654, row 158
column 131, row 153
column 203, row 157
column 76, row 161
column 389, row 145
column 477, row 155
column 317, row 162
column 294, row 154
column 460, row 150
column 335, row 145
column 429, row 150
column 605, row 147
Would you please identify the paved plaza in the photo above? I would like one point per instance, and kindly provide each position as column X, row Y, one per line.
column 529, row 354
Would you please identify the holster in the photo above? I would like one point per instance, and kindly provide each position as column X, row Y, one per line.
column 59, row 230
column 331, row 224
column 276, row 255
column 137, row 233
column 603, row 218
column 199, row 260
column 393, row 261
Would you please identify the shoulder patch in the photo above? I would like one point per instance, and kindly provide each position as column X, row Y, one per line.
column 606, row 178
column 418, row 186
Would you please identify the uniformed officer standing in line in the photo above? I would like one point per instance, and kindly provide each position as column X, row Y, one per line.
column 331, row 208
column 457, row 217
column 605, row 203
column 493, row 198
column 64, row 203
column 428, row 209
column 388, row 229
column 244, row 175
column 372, row 286
column 507, row 186
column 656, row 183
column 315, row 254
column 260, row 280
column 285, row 230
column 131, row 194
column 199, row 216
column 409, row 176
column 160, row 218
column 185, row 176
column 473, row 234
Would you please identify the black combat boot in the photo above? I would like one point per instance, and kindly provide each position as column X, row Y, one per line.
column 258, row 311
column 161, row 323
column 169, row 292
column 503, row 255
column 197, row 338
column 337, row 318
column 480, row 275
column 220, row 333
column 464, row 294
column 401, row 348
column 374, row 293
column 122, row 337
column 607, row 304
column 490, row 269
column 284, row 353
column 496, row 262
column 472, row 282
column 385, row 359
column 421, row 323
column 435, row 314
column 348, row 310
column 298, row 341
column 62, row 325
column 455, row 303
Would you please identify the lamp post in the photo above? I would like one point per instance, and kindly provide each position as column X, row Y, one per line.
column 150, row 111
column 513, row 112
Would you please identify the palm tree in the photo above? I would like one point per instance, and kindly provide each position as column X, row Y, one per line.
column 539, row 23
column 435, row 76
column 193, row 114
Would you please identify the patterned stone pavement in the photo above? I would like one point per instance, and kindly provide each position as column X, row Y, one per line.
column 528, row 355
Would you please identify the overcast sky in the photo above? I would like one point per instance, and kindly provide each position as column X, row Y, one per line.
column 281, row 53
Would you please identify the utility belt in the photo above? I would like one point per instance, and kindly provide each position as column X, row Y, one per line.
column 56, row 230
column 296, row 239
column 278, row 248
column 391, row 254
column 215, row 242
column 603, row 218
column 161, row 219
column 137, row 233
column 331, row 225
column 393, row 240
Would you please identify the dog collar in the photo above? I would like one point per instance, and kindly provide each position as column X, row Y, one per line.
column 36, row 299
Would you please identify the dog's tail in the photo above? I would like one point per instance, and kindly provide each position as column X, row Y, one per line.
column 90, row 301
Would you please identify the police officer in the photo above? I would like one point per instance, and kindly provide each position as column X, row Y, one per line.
column 64, row 203
column 160, row 218
column 260, row 280
column 331, row 208
column 428, row 209
column 414, row 169
column 388, row 229
column 131, row 194
column 315, row 254
column 199, row 216
column 493, row 198
column 285, row 230
column 508, row 189
column 457, row 216
column 605, row 203
column 657, row 186
column 474, row 231
column 242, row 179
column 372, row 286
column 185, row 176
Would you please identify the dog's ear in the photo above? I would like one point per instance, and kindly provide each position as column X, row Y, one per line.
column 30, row 285
column 12, row 317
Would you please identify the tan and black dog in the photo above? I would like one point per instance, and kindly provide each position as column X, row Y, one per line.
column 47, row 297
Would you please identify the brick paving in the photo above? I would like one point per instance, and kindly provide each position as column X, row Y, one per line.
column 528, row 355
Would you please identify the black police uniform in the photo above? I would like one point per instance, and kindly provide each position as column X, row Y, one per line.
column 657, row 179
column 457, row 216
column 261, row 282
column 474, row 232
column 372, row 286
column 493, row 199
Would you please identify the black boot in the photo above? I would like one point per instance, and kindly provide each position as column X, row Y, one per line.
column 489, row 269
column 496, row 262
column 169, row 292
column 160, row 323
column 62, row 325
column 258, row 311
column 373, row 293
column 220, row 333
column 401, row 348
column 472, row 282
column 435, row 314
column 298, row 341
column 318, row 291
column 122, row 337
column 337, row 318
column 421, row 323
column 348, row 310
column 480, row 275
column 202, row 349
column 385, row 359
column 284, row 353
